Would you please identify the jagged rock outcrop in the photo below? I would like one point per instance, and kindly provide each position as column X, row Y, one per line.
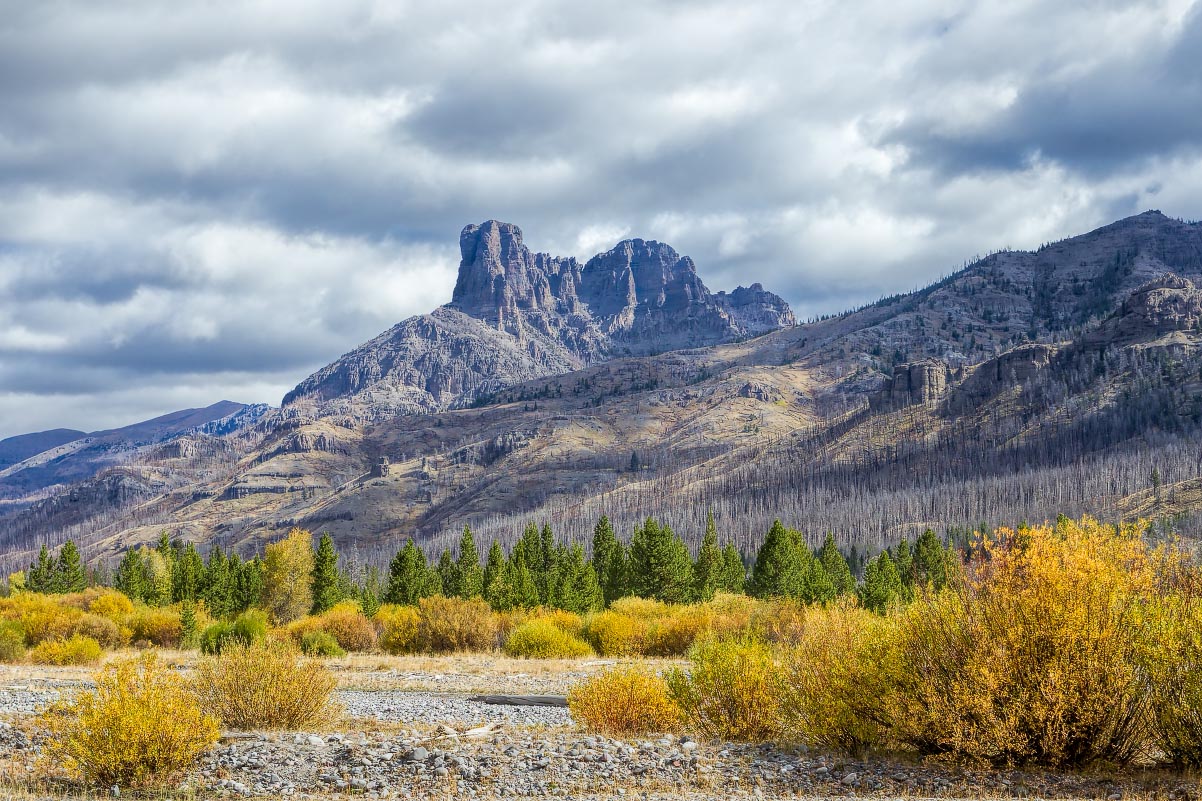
column 1007, row 370
column 516, row 315
column 761, row 392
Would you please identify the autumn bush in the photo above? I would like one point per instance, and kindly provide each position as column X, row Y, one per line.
column 111, row 604
column 624, row 700
column 448, row 625
column 612, row 633
column 540, row 638
column 41, row 617
column 12, row 641
column 397, row 627
column 838, row 678
column 1036, row 657
column 731, row 690
column 265, row 685
column 779, row 620
column 352, row 630
column 1172, row 659
column 562, row 619
column 75, row 650
column 141, row 726
column 155, row 625
column 676, row 628
column 106, row 631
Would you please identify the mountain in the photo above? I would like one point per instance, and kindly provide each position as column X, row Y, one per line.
column 516, row 315
column 1025, row 385
column 21, row 447
column 62, row 456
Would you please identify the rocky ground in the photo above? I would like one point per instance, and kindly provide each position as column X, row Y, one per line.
column 395, row 744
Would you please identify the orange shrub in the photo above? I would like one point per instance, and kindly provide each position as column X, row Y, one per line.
column 104, row 630
column 624, row 700
column 454, row 624
column 674, row 631
column 1035, row 658
column 353, row 630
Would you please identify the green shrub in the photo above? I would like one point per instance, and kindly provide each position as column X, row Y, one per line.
column 320, row 643
column 12, row 641
column 623, row 701
column 731, row 690
column 265, row 685
column 454, row 624
column 542, row 639
column 75, row 650
column 248, row 628
column 141, row 726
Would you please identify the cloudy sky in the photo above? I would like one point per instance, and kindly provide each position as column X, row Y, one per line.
column 209, row 200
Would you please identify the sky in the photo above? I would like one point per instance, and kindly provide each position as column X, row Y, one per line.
column 210, row 200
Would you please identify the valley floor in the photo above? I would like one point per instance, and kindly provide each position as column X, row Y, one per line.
column 394, row 741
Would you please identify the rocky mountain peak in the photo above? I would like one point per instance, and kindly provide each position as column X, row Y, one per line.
column 499, row 276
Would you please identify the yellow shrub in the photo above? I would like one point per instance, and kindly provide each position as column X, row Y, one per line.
column 614, row 634
column 542, row 639
column 111, row 604
column 12, row 641
column 838, row 679
column 141, row 726
column 76, row 650
column 453, row 624
column 731, row 690
column 1035, row 657
column 731, row 614
column 623, row 701
column 674, row 632
column 344, row 622
column 157, row 625
column 1173, row 652
column 265, row 685
column 42, row 617
column 398, row 628
column 562, row 619
column 639, row 608
column 103, row 630
column 779, row 621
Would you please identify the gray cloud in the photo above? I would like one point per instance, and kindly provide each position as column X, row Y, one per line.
column 210, row 200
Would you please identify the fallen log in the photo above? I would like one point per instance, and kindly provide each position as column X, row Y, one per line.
column 521, row 700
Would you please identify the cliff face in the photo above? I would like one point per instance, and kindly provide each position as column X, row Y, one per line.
column 516, row 315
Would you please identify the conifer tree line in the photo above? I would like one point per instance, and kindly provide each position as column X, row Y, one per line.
column 293, row 578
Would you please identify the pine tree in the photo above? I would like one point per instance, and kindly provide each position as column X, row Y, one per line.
column 609, row 561
column 447, row 571
column 409, row 577
column 578, row 590
column 131, row 576
column 493, row 565
column 248, row 583
column 188, row 575
column 371, row 592
column 219, row 584
column 734, row 572
column 513, row 587
column 547, row 578
column 931, row 562
column 778, row 565
column 189, row 636
column 817, row 587
column 326, row 587
column 882, row 586
column 69, row 572
column 836, row 567
column 707, row 570
column 903, row 560
column 41, row 573
column 660, row 567
column 468, row 576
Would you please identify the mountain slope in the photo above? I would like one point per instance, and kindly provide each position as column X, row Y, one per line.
column 998, row 394
column 21, row 447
